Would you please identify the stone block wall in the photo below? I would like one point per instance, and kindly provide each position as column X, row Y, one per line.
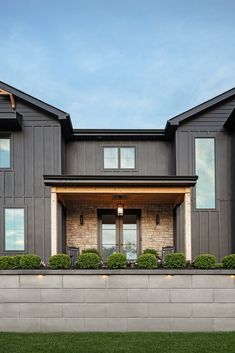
column 117, row 302
column 86, row 235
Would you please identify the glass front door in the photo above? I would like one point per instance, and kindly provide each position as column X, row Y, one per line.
column 119, row 233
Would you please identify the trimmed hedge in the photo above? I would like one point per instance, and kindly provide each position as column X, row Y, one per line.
column 91, row 251
column 229, row 261
column 6, row 262
column 88, row 260
column 175, row 260
column 116, row 260
column 205, row 261
column 147, row 260
column 59, row 261
column 151, row 251
column 30, row 261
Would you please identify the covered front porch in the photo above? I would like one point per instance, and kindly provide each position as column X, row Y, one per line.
column 123, row 214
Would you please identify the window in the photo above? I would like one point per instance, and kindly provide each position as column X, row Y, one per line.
column 14, row 229
column 5, row 156
column 119, row 157
column 205, row 169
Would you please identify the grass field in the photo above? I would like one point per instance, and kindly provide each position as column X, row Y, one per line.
column 117, row 342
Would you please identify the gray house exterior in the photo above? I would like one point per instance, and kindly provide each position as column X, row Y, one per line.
column 62, row 187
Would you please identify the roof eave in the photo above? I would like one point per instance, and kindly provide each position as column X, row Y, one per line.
column 161, row 181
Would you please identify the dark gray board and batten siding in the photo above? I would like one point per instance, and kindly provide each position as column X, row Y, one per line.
column 152, row 158
column 211, row 229
column 36, row 151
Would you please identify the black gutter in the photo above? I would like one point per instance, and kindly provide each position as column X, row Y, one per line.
column 164, row 181
column 112, row 134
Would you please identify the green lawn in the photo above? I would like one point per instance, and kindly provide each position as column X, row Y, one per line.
column 117, row 342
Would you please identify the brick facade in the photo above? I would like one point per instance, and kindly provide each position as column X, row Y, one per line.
column 86, row 235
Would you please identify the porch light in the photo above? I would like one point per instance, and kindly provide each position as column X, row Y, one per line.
column 120, row 210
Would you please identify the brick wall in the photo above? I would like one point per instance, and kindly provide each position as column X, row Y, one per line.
column 86, row 235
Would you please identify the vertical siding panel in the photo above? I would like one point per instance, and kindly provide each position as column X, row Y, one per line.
column 39, row 227
column 29, row 161
column 224, row 229
column 214, row 234
column 30, row 214
column 47, row 227
column 195, row 234
column 56, row 150
column 1, row 183
column 38, row 161
column 9, row 184
column 18, row 152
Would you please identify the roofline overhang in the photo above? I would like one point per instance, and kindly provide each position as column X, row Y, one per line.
column 117, row 134
column 200, row 108
column 62, row 116
column 161, row 181
column 230, row 122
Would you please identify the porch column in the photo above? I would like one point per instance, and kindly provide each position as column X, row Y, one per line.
column 53, row 223
column 187, row 225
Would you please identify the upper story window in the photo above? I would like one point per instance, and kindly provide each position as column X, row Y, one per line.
column 205, row 169
column 119, row 157
column 14, row 229
column 5, row 153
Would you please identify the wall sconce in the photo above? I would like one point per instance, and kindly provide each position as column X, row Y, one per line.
column 81, row 219
column 157, row 219
column 120, row 210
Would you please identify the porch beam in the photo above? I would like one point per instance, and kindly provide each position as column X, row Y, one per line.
column 187, row 226
column 54, row 223
column 120, row 190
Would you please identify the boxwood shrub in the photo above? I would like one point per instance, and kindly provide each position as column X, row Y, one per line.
column 91, row 250
column 175, row 260
column 151, row 251
column 147, row 260
column 59, row 261
column 88, row 260
column 30, row 261
column 6, row 262
column 229, row 261
column 16, row 260
column 205, row 261
column 116, row 260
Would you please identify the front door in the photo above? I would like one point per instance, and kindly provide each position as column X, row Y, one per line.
column 119, row 233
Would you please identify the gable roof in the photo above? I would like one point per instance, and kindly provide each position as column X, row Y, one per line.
column 62, row 116
column 183, row 117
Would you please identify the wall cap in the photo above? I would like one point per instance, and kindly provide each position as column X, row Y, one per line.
column 120, row 272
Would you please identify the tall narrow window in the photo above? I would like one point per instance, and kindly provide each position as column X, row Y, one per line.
column 14, row 229
column 5, row 155
column 205, row 169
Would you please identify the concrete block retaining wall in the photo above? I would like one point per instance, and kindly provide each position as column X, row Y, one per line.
column 116, row 302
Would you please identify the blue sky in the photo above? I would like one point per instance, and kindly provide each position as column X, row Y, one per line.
column 119, row 63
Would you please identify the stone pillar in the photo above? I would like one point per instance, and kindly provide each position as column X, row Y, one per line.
column 53, row 223
column 187, row 225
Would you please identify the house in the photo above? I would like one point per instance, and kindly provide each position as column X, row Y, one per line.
column 116, row 190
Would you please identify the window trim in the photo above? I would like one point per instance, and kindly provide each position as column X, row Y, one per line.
column 25, row 229
column 8, row 136
column 119, row 158
column 205, row 209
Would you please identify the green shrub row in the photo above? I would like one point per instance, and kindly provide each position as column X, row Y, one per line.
column 20, row 261
column 91, row 259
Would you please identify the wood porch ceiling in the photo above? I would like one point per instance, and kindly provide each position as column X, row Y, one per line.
column 125, row 199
